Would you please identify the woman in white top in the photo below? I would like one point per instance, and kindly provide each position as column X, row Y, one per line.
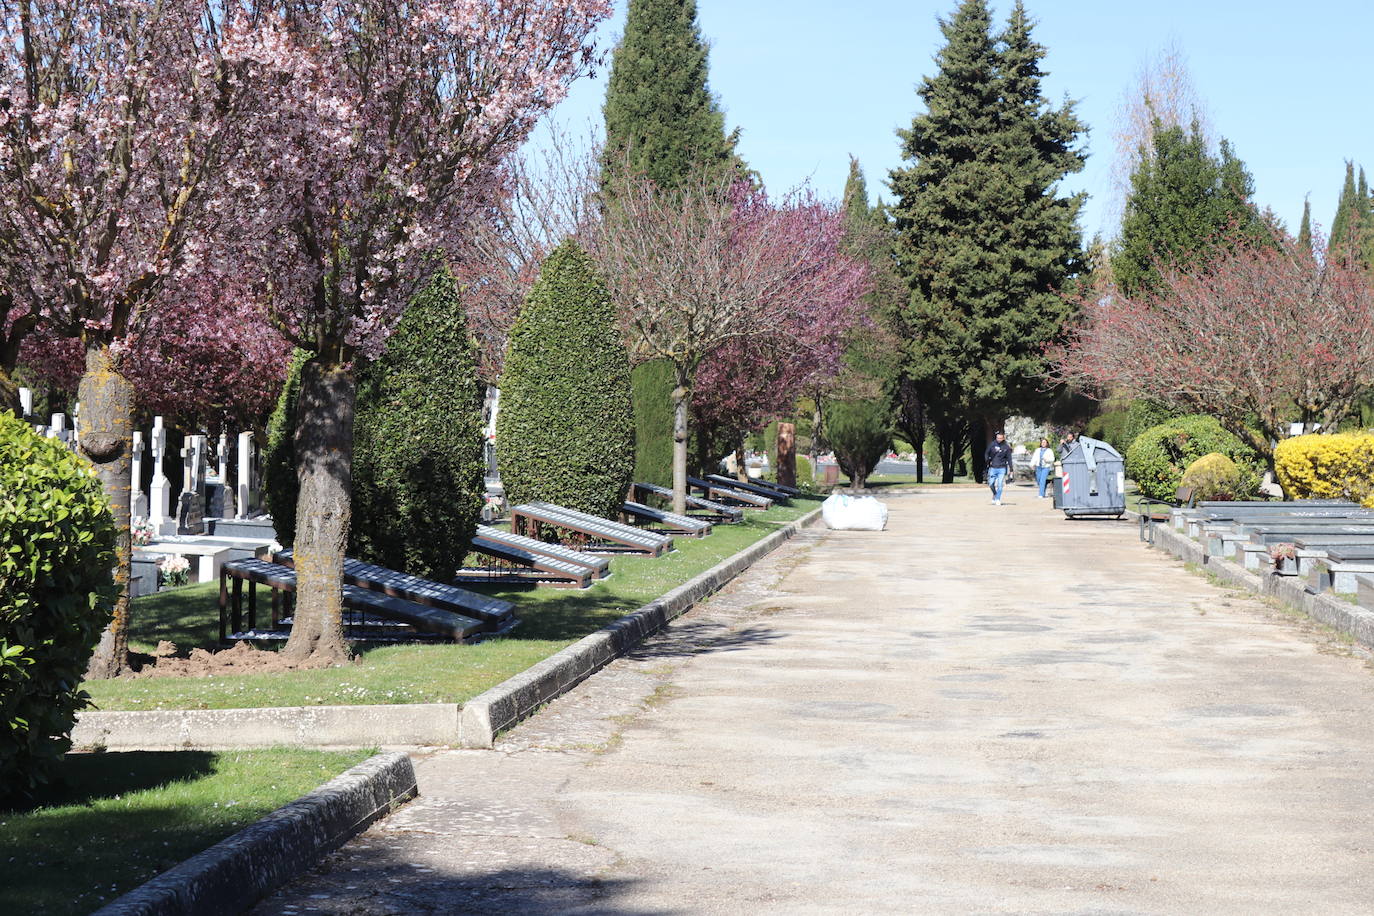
column 1043, row 462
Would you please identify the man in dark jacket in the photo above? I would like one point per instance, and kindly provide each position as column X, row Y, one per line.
column 998, row 458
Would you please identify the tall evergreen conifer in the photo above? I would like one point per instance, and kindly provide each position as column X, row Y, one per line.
column 984, row 236
column 1305, row 228
column 1347, row 214
column 662, row 122
column 1183, row 199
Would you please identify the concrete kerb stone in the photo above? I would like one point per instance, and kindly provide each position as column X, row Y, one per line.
column 1349, row 619
column 488, row 714
column 235, row 873
column 473, row 724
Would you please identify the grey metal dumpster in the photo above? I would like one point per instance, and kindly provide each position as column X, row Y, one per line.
column 1094, row 481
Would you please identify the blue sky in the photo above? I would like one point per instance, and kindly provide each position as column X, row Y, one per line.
column 810, row 82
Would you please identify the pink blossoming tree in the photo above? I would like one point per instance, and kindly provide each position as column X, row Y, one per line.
column 116, row 121
column 390, row 125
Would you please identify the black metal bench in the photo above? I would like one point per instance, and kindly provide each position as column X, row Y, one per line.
column 697, row 506
column 596, row 534
column 1183, row 496
column 664, row 520
column 282, row 579
column 524, row 559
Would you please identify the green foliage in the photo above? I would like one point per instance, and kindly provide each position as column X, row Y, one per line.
column 1305, row 229
column 652, row 386
column 417, row 442
column 280, row 484
column 1214, row 476
column 661, row 119
column 565, row 432
column 1158, row 457
column 1110, row 427
column 57, row 592
column 1352, row 229
column 983, row 266
column 860, row 432
column 1183, row 200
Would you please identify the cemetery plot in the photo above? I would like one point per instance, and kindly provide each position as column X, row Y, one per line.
column 597, row 535
column 768, row 491
column 660, row 519
column 500, row 614
column 697, row 506
column 525, row 559
column 378, row 612
column 730, row 494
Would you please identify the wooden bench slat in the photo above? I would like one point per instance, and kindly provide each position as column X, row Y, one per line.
column 730, row 494
column 715, row 509
column 694, row 527
column 750, row 487
column 592, row 526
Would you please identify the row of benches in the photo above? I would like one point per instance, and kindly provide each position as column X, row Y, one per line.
column 382, row 597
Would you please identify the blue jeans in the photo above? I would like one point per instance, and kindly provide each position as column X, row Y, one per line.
column 997, row 479
column 1042, row 476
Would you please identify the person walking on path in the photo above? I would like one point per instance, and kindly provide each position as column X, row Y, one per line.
column 1043, row 462
column 998, row 459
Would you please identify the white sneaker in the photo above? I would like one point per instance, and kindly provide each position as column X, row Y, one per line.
column 997, row 502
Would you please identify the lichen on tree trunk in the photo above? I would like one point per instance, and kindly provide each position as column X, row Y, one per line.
column 682, row 395
column 324, row 461
column 105, row 431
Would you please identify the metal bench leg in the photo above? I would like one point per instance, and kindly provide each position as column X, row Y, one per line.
column 252, row 605
column 238, row 605
column 223, row 603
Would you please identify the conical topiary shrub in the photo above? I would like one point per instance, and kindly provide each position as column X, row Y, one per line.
column 565, row 431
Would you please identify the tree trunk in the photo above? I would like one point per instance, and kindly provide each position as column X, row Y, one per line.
column 977, row 447
column 787, row 454
column 106, row 430
column 324, row 457
column 682, row 395
column 920, row 444
column 741, row 469
column 9, row 394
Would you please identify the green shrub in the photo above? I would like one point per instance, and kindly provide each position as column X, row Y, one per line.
column 418, row 473
column 652, row 384
column 565, row 433
column 806, row 478
column 1140, row 416
column 860, row 432
column 280, row 485
column 1213, row 476
column 57, row 556
column 1327, row 466
column 1158, row 457
column 1109, row 427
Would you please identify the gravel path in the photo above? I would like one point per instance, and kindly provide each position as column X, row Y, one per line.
column 981, row 710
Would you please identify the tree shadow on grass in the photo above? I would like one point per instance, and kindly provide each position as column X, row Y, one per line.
column 84, row 778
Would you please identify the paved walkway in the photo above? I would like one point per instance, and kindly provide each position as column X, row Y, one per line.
column 980, row 710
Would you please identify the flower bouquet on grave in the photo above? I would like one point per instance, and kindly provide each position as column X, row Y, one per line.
column 142, row 532
column 173, row 571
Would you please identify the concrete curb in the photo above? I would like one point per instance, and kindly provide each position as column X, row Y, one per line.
column 488, row 714
column 1349, row 619
column 235, row 873
column 474, row 724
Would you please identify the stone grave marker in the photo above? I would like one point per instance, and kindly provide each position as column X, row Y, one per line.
column 159, row 495
column 191, row 505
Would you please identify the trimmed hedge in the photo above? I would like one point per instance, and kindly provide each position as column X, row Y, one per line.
column 1213, row 476
column 652, row 384
column 418, row 473
column 57, row 592
column 281, row 487
column 1336, row 466
column 1159, row 456
column 565, row 432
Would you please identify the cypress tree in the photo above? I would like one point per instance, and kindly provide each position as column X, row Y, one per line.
column 1305, row 228
column 564, row 433
column 1347, row 212
column 662, row 122
column 1183, row 200
column 661, row 119
column 984, row 237
column 418, row 473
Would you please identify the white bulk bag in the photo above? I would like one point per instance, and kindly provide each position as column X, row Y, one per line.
column 861, row 513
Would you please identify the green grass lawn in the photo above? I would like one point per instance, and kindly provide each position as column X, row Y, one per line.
column 550, row 619
column 118, row 819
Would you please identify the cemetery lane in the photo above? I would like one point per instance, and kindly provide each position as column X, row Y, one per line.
column 982, row 709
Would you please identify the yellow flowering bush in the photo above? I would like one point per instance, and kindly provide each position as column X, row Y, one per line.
column 1214, row 476
column 1339, row 466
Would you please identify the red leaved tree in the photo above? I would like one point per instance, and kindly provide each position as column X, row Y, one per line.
column 715, row 265
column 1258, row 337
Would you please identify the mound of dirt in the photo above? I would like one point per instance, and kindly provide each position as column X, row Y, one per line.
column 241, row 658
